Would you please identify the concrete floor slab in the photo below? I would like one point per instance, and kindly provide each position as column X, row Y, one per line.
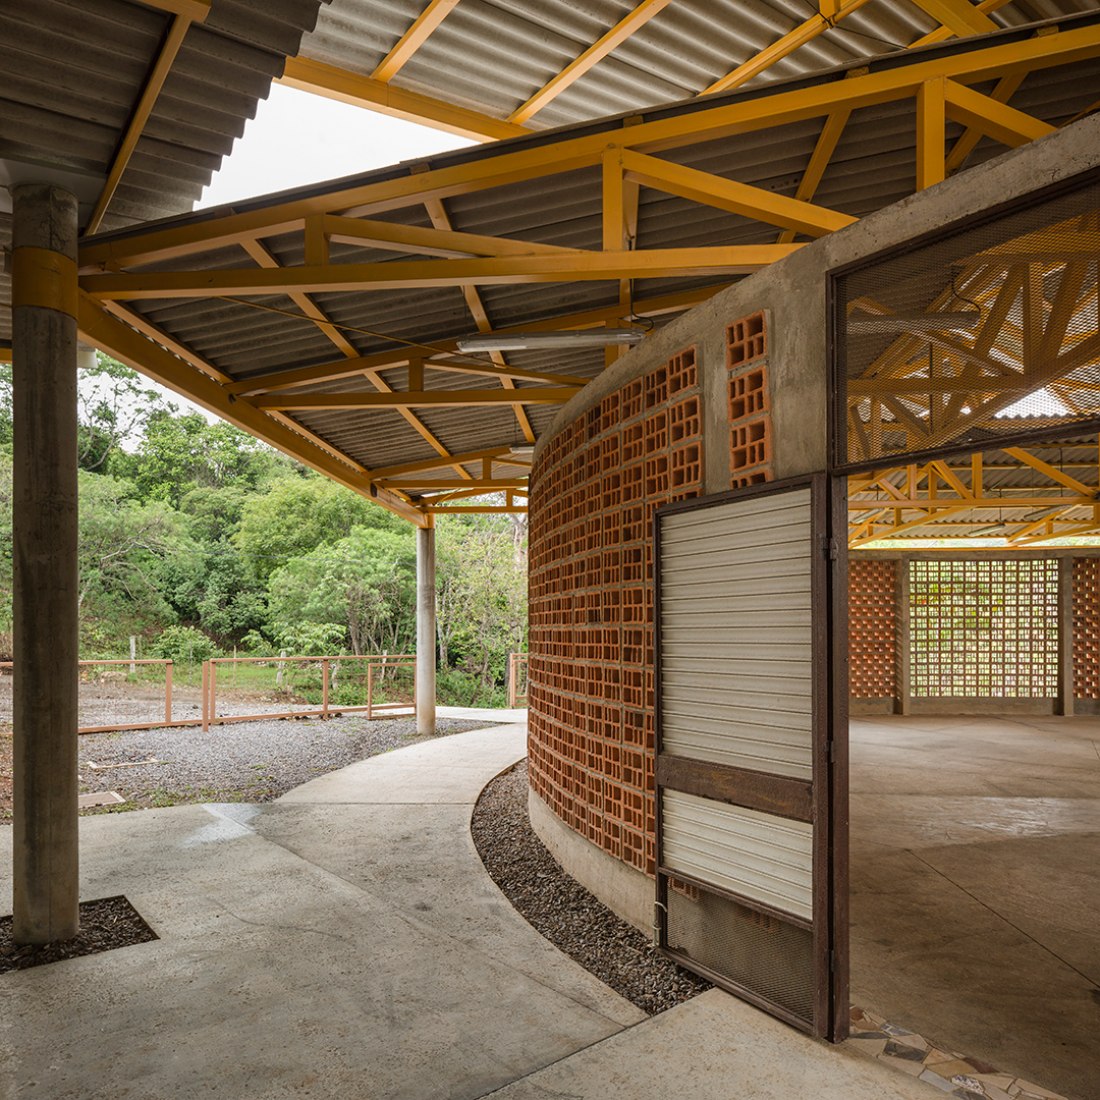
column 715, row 1047
column 342, row 967
column 975, row 862
column 338, row 943
column 414, row 774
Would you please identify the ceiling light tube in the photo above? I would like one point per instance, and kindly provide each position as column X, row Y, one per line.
column 567, row 338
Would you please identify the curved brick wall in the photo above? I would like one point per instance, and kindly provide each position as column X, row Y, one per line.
column 590, row 670
column 595, row 487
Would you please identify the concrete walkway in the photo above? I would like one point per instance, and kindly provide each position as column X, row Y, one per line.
column 346, row 941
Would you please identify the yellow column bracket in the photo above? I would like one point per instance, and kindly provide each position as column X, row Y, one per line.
column 45, row 279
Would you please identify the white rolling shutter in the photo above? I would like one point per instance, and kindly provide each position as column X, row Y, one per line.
column 736, row 634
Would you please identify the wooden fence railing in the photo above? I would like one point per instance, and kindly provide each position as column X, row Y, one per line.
column 380, row 686
column 517, row 680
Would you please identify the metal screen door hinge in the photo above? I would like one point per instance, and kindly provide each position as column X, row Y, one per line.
column 830, row 549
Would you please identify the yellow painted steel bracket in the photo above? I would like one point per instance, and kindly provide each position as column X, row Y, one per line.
column 43, row 278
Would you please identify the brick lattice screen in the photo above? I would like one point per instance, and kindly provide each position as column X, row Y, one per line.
column 1086, row 628
column 984, row 629
column 590, row 672
column 872, row 628
column 749, row 407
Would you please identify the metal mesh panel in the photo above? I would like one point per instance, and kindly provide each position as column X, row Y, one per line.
column 984, row 629
column 988, row 333
column 756, row 951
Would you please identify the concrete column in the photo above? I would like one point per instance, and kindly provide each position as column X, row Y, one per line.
column 903, row 687
column 44, row 520
column 425, row 630
column 1064, row 703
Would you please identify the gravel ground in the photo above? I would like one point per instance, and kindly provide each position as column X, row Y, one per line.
column 104, row 925
column 563, row 910
column 240, row 762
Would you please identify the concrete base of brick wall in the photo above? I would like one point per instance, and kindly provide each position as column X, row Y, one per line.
column 622, row 889
column 859, row 708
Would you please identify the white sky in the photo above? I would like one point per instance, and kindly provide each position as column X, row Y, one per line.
column 298, row 139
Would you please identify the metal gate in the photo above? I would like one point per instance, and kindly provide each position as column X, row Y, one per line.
column 751, row 784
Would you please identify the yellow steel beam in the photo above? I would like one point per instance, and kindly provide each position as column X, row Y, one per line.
column 618, row 34
column 615, row 233
column 140, row 116
column 345, row 368
column 1050, row 471
column 1005, row 89
column 968, row 66
column 259, row 253
column 438, row 463
column 654, row 306
column 929, row 504
column 807, row 31
column 726, row 194
column 943, row 32
column 462, row 494
column 827, row 142
column 514, row 509
column 988, row 115
column 931, row 133
column 402, row 275
column 427, row 485
column 446, row 243
column 363, row 91
column 130, row 347
column 529, row 395
column 415, row 37
column 442, row 223
column 959, row 16
column 909, row 525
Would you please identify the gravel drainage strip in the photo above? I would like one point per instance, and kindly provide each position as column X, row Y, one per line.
column 564, row 911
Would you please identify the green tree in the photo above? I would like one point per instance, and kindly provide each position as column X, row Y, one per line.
column 481, row 593
column 359, row 591
column 114, row 405
column 178, row 453
column 130, row 555
column 298, row 514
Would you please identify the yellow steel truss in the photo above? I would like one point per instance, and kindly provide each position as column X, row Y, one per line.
column 629, row 157
column 950, row 498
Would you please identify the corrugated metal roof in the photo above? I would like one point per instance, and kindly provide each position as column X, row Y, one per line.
column 73, row 72
column 873, row 167
column 218, row 78
column 492, row 55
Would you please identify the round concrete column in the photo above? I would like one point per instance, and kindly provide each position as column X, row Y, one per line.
column 44, row 520
column 425, row 630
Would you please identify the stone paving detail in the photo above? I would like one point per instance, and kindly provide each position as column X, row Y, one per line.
column 955, row 1074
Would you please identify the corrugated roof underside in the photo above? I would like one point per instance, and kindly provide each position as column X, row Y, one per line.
column 678, row 53
column 73, row 73
column 873, row 167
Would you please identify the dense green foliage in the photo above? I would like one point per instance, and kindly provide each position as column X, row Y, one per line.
column 199, row 539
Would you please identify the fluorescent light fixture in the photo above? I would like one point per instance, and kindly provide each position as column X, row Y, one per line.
column 914, row 321
column 566, row 338
column 526, row 453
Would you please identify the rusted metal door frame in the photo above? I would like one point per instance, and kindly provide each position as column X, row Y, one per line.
column 823, row 801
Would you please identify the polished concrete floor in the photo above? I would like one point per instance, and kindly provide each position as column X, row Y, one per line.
column 975, row 870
